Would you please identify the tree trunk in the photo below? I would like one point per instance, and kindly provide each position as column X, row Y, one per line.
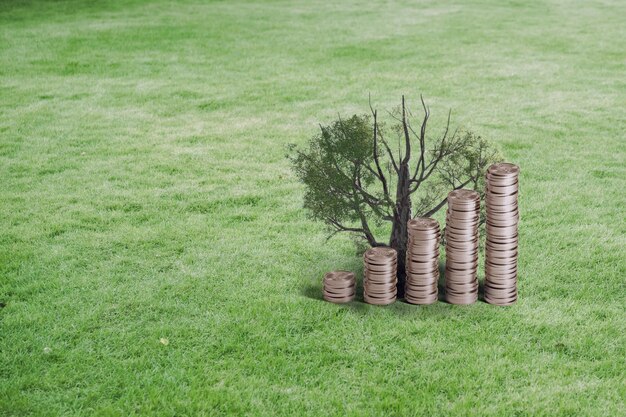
column 402, row 214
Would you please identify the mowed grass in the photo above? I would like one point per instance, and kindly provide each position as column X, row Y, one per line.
column 145, row 196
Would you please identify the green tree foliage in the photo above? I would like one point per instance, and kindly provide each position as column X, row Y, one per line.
column 359, row 171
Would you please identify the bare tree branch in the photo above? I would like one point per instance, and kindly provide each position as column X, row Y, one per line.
column 442, row 151
column 421, row 163
column 423, row 134
column 381, row 175
column 407, row 138
column 372, row 201
column 443, row 202
column 365, row 232
column 389, row 152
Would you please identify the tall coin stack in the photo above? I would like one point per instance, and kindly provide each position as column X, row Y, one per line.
column 462, row 246
column 501, row 245
column 339, row 286
column 380, row 275
column 422, row 261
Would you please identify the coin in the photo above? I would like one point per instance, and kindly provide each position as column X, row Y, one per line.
column 380, row 275
column 502, row 245
column 462, row 219
column 422, row 261
column 339, row 286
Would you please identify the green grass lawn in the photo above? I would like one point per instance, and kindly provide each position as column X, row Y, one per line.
column 145, row 195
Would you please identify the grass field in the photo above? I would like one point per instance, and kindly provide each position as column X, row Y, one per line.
column 154, row 256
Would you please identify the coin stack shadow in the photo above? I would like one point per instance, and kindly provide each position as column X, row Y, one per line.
column 462, row 246
column 380, row 275
column 502, row 238
column 339, row 286
column 422, row 261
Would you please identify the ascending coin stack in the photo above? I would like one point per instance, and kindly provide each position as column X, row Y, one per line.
column 462, row 246
column 380, row 275
column 501, row 228
column 422, row 268
column 422, row 261
column 339, row 286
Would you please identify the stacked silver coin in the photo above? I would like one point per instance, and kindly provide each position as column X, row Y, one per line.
column 502, row 237
column 380, row 275
column 422, row 261
column 339, row 286
column 462, row 246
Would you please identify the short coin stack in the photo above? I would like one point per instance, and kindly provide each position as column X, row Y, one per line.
column 380, row 275
column 422, row 261
column 462, row 246
column 339, row 286
column 501, row 245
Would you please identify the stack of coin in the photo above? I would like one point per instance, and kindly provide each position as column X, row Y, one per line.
column 339, row 286
column 380, row 275
column 462, row 246
column 501, row 245
column 422, row 261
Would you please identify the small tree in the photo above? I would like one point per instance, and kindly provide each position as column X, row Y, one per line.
column 353, row 179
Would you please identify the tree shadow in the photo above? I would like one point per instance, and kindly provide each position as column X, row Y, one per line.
column 441, row 285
